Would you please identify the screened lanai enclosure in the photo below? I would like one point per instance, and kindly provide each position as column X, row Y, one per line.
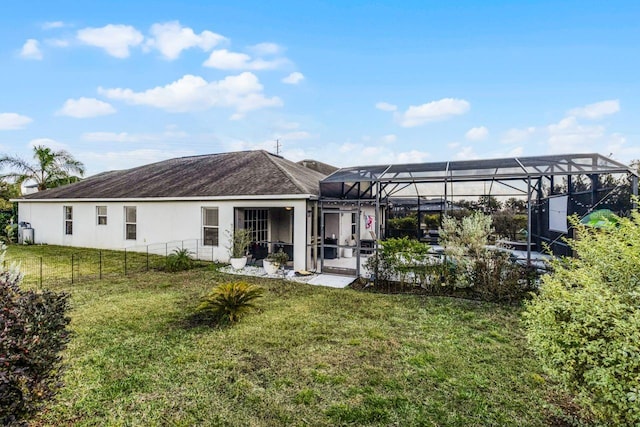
column 357, row 202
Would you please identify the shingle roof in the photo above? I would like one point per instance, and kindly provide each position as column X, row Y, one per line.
column 323, row 168
column 242, row 173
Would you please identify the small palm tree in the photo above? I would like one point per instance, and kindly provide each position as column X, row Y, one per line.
column 51, row 168
column 230, row 301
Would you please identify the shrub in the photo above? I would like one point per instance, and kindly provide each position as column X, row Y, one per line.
column 509, row 224
column 33, row 333
column 230, row 301
column 585, row 323
column 179, row 260
column 488, row 275
column 465, row 243
column 279, row 258
column 404, row 223
column 403, row 260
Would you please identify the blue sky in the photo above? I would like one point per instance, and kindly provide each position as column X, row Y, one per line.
column 124, row 83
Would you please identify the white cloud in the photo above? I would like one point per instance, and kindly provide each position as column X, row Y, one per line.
column 293, row 78
column 13, row 121
column 57, row 42
column 514, row 136
column 116, row 40
column 265, row 49
column 294, row 136
column 453, row 145
column 223, row 59
column 48, row 142
column 125, row 137
column 356, row 153
column 385, row 106
column 569, row 136
column 465, row 153
column 115, row 160
column 191, row 93
column 286, row 125
column 171, row 38
column 620, row 150
column 388, row 139
column 31, row 50
column 442, row 109
column 52, row 25
column 83, row 108
column 514, row 152
column 413, row 156
column 477, row 133
column 596, row 110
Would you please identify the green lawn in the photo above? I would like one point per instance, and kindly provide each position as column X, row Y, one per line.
column 42, row 265
column 310, row 356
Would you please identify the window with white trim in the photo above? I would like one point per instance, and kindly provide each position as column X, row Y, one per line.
column 68, row 219
column 210, row 227
column 101, row 214
column 130, row 222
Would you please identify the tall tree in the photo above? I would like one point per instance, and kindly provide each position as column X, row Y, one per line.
column 50, row 169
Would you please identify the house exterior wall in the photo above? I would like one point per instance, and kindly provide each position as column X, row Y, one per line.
column 157, row 222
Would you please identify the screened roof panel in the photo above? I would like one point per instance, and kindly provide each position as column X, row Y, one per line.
column 485, row 169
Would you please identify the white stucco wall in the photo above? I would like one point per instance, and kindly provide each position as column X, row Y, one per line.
column 158, row 221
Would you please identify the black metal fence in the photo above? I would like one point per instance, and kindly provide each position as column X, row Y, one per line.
column 96, row 264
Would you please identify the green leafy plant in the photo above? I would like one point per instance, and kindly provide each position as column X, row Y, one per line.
column 230, row 301
column 179, row 260
column 403, row 260
column 239, row 241
column 464, row 243
column 33, row 333
column 279, row 258
column 585, row 323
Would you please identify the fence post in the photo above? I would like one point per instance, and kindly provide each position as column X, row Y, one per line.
column 147, row 257
column 125, row 262
column 72, row 269
column 40, row 272
column 197, row 249
column 100, row 259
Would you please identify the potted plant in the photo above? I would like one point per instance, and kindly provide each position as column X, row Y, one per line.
column 239, row 242
column 274, row 261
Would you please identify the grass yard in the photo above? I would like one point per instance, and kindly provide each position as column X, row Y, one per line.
column 310, row 356
column 50, row 263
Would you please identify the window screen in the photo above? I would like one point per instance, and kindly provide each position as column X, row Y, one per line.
column 210, row 227
column 130, row 223
column 101, row 213
column 68, row 220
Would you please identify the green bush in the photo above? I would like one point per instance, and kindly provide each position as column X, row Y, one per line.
column 230, row 301
column 33, row 333
column 484, row 274
column 509, row 224
column 403, row 260
column 409, row 222
column 585, row 323
column 464, row 243
column 179, row 260
column 279, row 258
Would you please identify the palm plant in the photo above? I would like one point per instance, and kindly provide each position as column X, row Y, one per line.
column 50, row 169
column 230, row 301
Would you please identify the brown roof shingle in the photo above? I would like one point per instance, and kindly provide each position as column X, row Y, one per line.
column 242, row 173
